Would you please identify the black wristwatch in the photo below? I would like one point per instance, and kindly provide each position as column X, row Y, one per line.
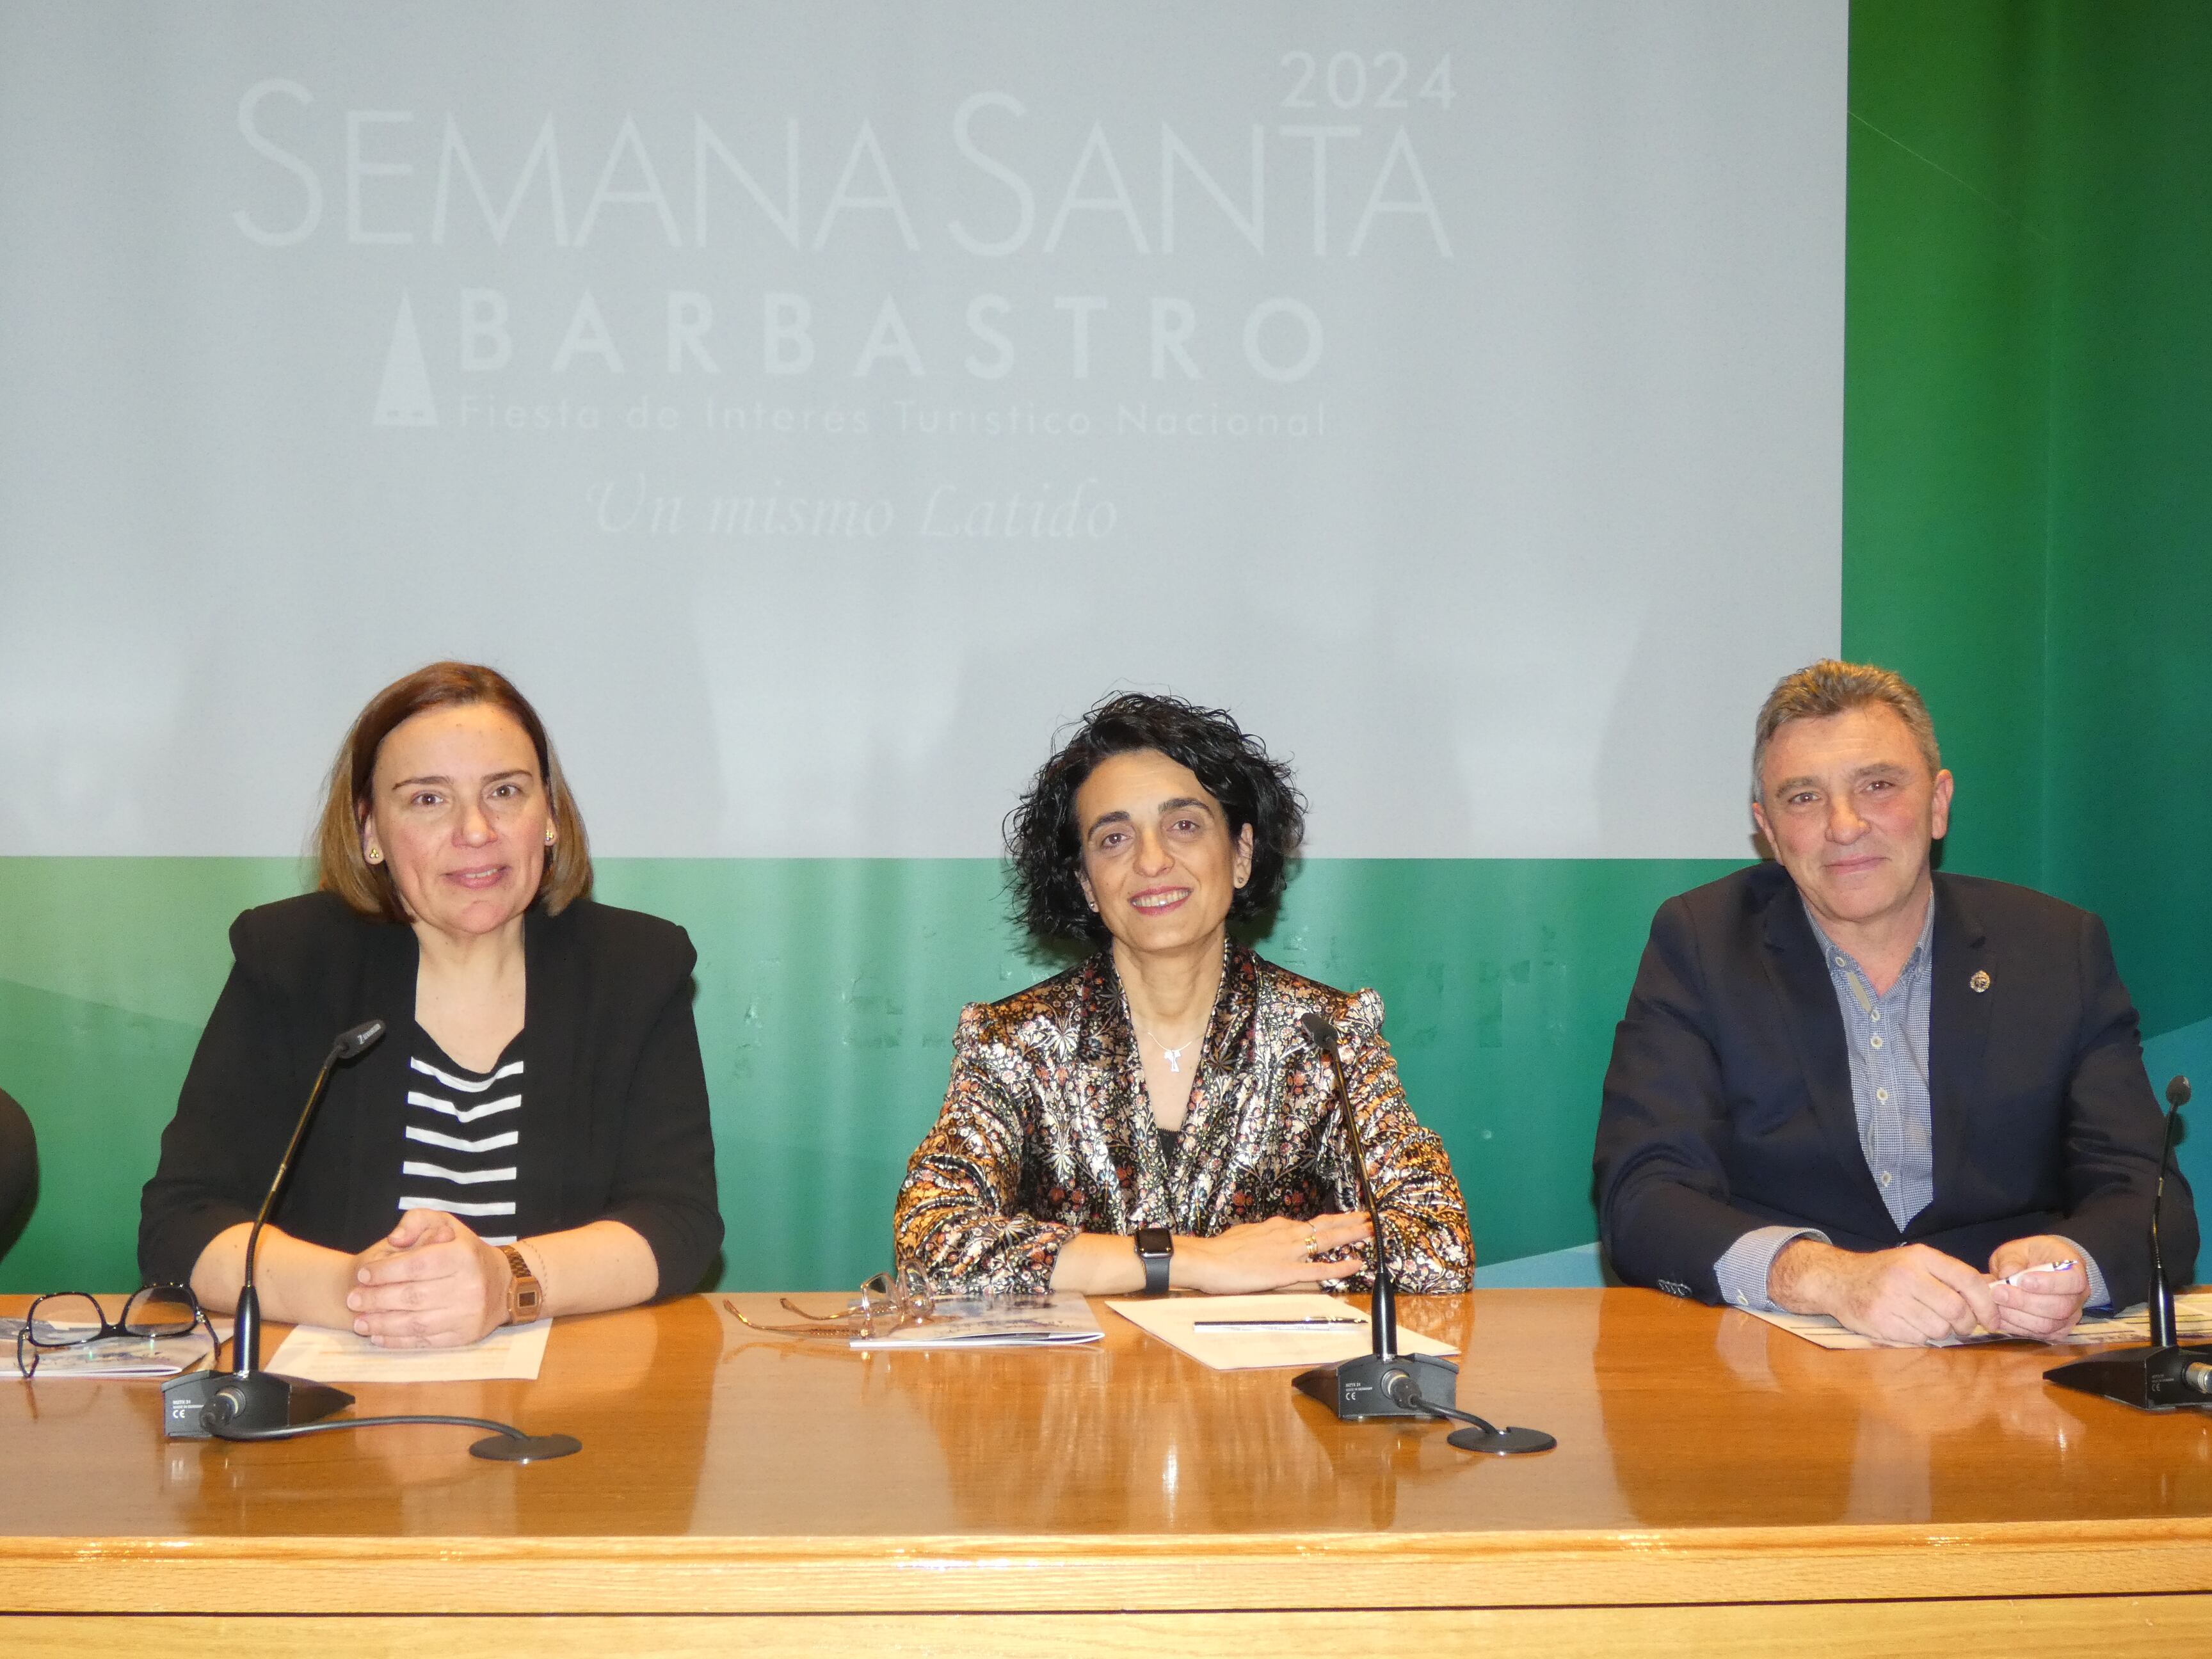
column 1155, row 1248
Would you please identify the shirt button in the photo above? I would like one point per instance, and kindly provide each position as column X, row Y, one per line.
column 1876, row 1041
column 1876, row 1016
column 1885, row 1177
column 1843, row 961
column 1881, row 1095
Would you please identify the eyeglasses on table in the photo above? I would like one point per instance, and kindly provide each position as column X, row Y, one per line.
column 74, row 1318
column 885, row 1302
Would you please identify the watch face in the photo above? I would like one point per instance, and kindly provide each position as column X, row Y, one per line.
column 1155, row 1241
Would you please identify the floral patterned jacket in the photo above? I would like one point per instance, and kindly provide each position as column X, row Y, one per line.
column 1047, row 1132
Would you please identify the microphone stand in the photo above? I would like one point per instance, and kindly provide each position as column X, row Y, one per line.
column 246, row 1399
column 1383, row 1382
column 247, row 1403
column 2164, row 1376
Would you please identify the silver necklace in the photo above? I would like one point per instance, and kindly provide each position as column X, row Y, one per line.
column 1173, row 1057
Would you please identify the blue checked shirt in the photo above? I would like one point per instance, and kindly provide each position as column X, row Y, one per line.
column 1887, row 1037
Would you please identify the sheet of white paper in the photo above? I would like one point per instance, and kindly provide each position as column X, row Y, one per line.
column 326, row 1356
column 2192, row 1323
column 1824, row 1332
column 115, row 1356
column 1061, row 1319
column 1173, row 1320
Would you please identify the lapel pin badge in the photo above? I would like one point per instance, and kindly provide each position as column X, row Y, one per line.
column 1980, row 981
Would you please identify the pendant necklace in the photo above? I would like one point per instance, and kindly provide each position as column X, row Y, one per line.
column 1173, row 1057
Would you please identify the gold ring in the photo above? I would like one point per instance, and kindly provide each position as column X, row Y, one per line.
column 1313, row 1243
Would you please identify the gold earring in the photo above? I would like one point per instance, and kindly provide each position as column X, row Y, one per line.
column 375, row 854
column 548, row 835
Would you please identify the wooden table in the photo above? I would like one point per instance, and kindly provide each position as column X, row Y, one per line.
column 1719, row 1487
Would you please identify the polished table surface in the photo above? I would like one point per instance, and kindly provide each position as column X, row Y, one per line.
column 1705, row 1459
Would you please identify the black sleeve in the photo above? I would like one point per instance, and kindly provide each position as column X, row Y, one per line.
column 664, row 1182
column 1662, row 1188
column 19, row 1166
column 2114, row 1136
column 249, row 1076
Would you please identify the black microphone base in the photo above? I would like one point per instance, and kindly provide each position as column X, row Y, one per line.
column 2148, row 1379
column 1503, row 1442
column 1358, row 1390
column 244, row 1405
column 525, row 1448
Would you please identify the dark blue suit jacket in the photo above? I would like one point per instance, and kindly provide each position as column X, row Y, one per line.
column 1727, row 1104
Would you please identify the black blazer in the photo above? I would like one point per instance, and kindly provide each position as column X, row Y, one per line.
column 615, row 1082
column 1727, row 1104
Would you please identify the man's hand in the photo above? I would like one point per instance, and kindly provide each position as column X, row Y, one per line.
column 1911, row 1295
column 430, row 1283
column 2042, row 1305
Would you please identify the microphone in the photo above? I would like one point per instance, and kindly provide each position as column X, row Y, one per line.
column 2164, row 1376
column 1383, row 1382
column 352, row 1045
column 2160, row 1301
column 247, row 1403
column 247, row 1398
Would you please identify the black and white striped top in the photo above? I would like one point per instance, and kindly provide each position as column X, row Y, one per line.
column 464, row 1139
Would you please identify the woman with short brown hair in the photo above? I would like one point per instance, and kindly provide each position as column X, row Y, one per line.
column 530, row 1136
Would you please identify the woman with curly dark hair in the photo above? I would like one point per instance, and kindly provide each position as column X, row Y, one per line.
column 1157, row 1115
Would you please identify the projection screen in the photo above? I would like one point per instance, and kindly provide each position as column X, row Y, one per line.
column 815, row 406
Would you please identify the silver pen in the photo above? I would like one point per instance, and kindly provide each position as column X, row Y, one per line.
column 2039, row 1267
column 1319, row 1323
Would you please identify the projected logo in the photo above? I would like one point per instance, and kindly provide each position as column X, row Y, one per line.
column 403, row 399
column 857, row 280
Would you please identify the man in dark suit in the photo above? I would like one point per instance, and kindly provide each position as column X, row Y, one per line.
column 1848, row 1085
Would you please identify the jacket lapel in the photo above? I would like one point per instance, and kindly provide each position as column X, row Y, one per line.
column 368, row 1093
column 1958, row 1019
column 1110, row 1100
column 1221, row 1098
column 556, row 1127
column 1805, row 997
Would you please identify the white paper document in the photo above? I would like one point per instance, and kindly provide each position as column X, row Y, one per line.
column 113, row 1356
column 327, row 1356
column 1824, row 1332
column 1061, row 1319
column 2192, row 1321
column 1250, row 1332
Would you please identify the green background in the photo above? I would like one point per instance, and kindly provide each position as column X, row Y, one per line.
column 2028, row 499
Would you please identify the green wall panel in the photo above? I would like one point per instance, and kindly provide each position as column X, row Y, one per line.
column 2027, row 530
column 827, row 995
column 2128, row 817
column 1946, row 428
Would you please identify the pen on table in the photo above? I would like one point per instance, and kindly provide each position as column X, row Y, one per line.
column 2039, row 1267
column 1328, row 1323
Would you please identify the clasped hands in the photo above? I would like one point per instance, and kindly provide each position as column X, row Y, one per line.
column 430, row 1283
column 1269, row 1255
column 1915, row 1294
